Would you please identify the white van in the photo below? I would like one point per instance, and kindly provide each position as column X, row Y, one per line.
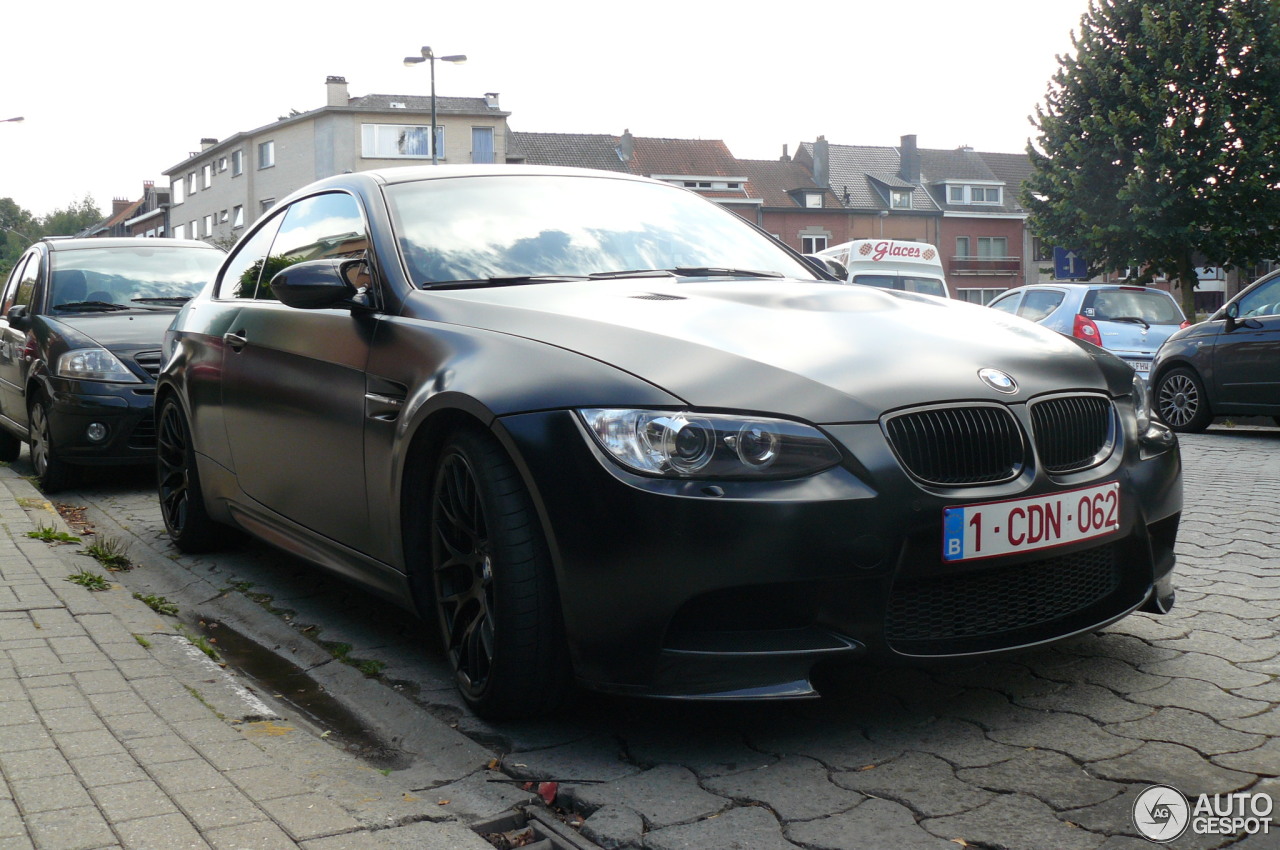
column 891, row 264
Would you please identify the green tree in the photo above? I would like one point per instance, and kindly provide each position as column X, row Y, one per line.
column 1157, row 139
column 20, row 229
column 71, row 219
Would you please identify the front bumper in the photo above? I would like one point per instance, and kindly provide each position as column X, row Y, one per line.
column 125, row 410
column 735, row 589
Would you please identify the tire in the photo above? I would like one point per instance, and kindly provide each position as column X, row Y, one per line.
column 52, row 472
column 10, row 447
column 492, row 583
column 1181, row 402
column 178, row 482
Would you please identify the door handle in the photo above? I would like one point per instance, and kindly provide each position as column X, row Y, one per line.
column 235, row 340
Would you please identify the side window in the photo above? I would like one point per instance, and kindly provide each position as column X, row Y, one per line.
column 317, row 228
column 1008, row 304
column 1263, row 301
column 243, row 268
column 1039, row 303
column 11, row 287
column 21, row 294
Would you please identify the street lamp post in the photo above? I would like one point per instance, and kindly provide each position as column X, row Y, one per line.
column 12, row 120
column 429, row 56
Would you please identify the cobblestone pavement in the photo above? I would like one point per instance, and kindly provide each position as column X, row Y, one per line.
column 1043, row 750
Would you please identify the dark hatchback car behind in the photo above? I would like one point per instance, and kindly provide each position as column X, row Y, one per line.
column 1228, row 365
column 80, row 331
column 602, row 429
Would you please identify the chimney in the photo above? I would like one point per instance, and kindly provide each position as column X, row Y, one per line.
column 337, row 91
column 491, row 99
column 909, row 169
column 821, row 163
column 207, row 143
column 626, row 148
column 119, row 205
column 786, row 157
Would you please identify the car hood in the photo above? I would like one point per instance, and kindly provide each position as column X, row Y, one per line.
column 112, row 330
column 824, row 352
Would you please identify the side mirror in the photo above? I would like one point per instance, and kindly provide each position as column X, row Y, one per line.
column 316, row 284
column 18, row 318
column 827, row 267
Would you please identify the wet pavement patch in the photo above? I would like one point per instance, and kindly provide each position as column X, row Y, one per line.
column 291, row 685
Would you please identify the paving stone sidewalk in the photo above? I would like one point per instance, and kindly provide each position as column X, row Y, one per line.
column 106, row 742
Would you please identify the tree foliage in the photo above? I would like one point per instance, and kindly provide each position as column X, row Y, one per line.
column 1157, row 139
column 19, row 228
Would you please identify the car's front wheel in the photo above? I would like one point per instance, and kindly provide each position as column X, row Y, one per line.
column 1181, row 401
column 52, row 471
column 178, row 481
column 494, row 592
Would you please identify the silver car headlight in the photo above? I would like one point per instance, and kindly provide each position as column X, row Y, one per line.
column 94, row 364
column 684, row 444
column 1141, row 403
column 1154, row 437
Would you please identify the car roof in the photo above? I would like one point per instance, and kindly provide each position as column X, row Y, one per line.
column 69, row 244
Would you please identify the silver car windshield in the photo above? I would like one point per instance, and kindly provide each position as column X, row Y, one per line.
column 504, row 227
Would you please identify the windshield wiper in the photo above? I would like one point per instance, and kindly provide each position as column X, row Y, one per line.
column 516, row 280
column 164, row 299
column 90, row 306
column 713, row 271
column 631, row 273
column 1131, row 319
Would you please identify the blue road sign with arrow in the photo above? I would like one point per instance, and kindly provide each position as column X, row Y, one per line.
column 1069, row 265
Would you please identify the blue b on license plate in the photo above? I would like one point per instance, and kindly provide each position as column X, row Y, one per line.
column 1024, row 525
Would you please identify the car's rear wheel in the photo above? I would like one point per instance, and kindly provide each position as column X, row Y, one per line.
column 1181, row 401
column 10, row 447
column 494, row 592
column 53, row 472
column 178, row 481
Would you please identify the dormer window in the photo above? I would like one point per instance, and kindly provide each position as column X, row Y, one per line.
column 972, row 194
column 813, row 200
column 900, row 199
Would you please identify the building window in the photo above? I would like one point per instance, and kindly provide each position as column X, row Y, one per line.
column 175, row 189
column 222, row 163
column 962, row 246
column 266, row 204
column 955, row 194
column 978, row 296
column 813, row 200
column 191, row 184
column 180, row 231
column 812, row 244
column 266, row 154
column 398, row 141
column 237, row 216
column 900, row 199
column 223, row 217
column 974, row 194
column 237, row 163
column 206, row 176
column 993, row 246
column 194, row 229
column 208, row 226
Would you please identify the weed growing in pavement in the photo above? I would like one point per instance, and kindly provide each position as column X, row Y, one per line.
column 92, row 581
column 203, row 644
column 25, row 502
column 142, row 642
column 111, row 552
column 371, row 668
column 49, row 534
column 342, row 652
column 157, row 603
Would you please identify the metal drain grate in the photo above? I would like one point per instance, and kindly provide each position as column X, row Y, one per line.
column 531, row 829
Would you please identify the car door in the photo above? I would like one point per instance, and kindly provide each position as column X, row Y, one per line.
column 293, row 382
column 18, row 291
column 1246, row 360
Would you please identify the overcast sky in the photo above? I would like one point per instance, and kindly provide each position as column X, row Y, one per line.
column 114, row 94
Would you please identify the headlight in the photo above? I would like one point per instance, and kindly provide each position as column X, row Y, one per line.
column 676, row 444
column 94, row 364
column 1140, row 403
column 1154, row 437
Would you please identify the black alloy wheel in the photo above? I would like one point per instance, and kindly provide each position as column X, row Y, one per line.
column 53, row 473
column 491, row 578
column 1180, row 400
column 178, row 482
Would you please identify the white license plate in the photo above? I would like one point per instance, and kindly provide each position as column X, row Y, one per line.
column 1140, row 365
column 1024, row 525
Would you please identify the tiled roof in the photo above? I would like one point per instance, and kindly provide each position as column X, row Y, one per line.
column 1013, row 169
column 692, row 157
column 855, row 167
column 579, row 150
column 774, row 180
column 421, row 103
column 958, row 164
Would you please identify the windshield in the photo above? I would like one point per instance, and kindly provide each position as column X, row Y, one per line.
column 516, row 226
column 1151, row 306
column 925, row 285
column 149, row 276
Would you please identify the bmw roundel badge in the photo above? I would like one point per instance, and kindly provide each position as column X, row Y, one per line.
column 999, row 381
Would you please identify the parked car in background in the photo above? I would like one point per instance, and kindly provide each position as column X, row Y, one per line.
column 603, row 430
column 80, row 331
column 1131, row 321
column 1228, row 365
